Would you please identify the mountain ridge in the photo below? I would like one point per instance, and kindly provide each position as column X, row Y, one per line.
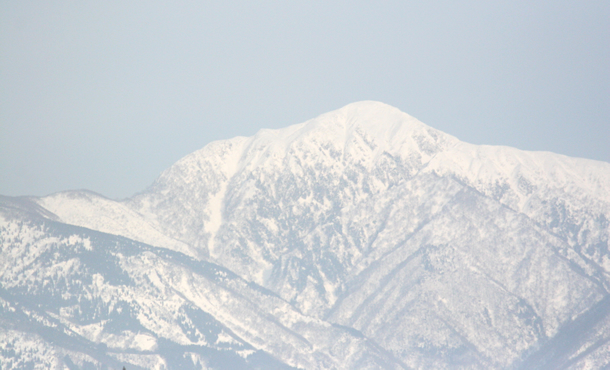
column 420, row 250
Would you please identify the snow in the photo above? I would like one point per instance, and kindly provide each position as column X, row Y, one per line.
column 216, row 201
column 87, row 209
column 430, row 251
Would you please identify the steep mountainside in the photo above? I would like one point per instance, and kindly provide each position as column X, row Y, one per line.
column 93, row 299
column 359, row 239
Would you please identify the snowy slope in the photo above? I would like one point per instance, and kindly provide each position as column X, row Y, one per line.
column 370, row 238
column 93, row 211
column 90, row 297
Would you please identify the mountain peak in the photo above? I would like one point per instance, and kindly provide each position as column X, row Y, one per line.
column 375, row 110
column 362, row 225
column 370, row 109
column 378, row 121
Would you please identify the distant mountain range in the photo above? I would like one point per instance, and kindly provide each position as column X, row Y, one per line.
column 361, row 239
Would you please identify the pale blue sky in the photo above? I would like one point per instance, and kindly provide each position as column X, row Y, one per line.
column 104, row 95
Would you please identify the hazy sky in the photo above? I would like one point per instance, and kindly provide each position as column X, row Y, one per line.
column 104, row 95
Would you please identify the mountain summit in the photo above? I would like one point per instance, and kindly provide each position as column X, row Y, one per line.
column 359, row 239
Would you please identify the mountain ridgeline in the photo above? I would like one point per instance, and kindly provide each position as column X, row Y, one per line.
column 361, row 239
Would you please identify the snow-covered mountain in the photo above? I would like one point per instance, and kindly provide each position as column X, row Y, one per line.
column 359, row 239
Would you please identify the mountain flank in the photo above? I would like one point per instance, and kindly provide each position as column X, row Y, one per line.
column 362, row 238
